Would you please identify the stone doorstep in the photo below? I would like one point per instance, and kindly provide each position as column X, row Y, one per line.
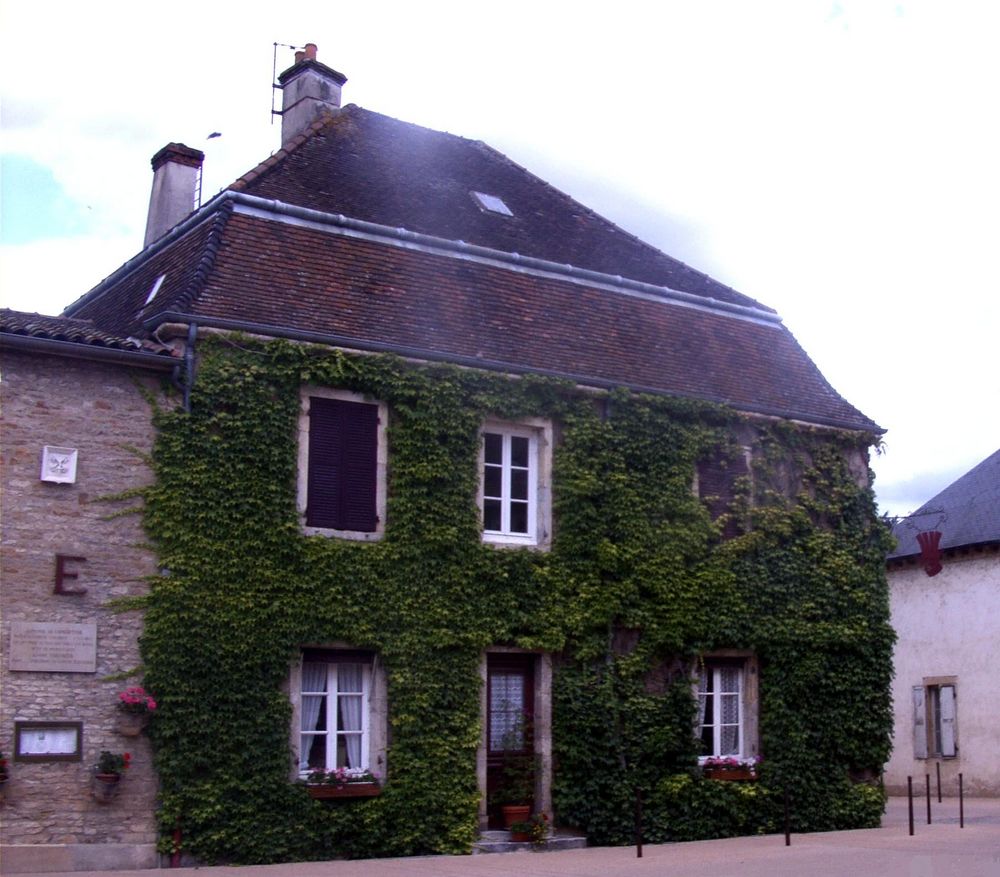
column 500, row 842
column 29, row 858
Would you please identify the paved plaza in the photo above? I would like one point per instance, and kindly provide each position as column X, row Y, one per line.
column 941, row 849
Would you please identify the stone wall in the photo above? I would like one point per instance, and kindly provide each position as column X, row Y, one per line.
column 98, row 409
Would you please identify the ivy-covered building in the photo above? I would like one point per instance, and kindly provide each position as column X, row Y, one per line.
column 461, row 473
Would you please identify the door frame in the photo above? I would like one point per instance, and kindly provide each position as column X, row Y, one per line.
column 541, row 678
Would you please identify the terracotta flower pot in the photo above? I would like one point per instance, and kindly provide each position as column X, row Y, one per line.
column 515, row 813
column 131, row 724
column 520, row 837
column 104, row 786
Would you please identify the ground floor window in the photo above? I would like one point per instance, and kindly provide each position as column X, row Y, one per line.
column 335, row 710
column 721, row 709
column 934, row 714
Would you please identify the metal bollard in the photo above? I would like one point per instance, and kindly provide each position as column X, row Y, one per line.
column 788, row 821
column 638, row 824
column 961, row 804
column 937, row 764
column 909, row 798
column 927, row 776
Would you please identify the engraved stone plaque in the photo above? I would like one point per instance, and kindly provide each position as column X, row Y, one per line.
column 59, row 465
column 51, row 646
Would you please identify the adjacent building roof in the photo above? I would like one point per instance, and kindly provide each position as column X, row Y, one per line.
column 366, row 232
column 967, row 512
column 76, row 337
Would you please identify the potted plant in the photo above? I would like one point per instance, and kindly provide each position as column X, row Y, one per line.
column 516, row 788
column 730, row 768
column 533, row 830
column 342, row 782
column 108, row 773
column 134, row 709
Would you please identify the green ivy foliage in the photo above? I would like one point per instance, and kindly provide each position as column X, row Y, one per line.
column 637, row 583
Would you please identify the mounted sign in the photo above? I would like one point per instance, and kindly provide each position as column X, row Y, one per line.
column 53, row 647
column 48, row 741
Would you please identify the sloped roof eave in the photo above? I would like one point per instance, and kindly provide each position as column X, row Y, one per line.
column 862, row 425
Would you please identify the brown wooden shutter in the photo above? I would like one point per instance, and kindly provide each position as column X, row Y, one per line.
column 343, row 465
column 717, row 486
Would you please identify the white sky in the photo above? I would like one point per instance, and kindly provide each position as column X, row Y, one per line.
column 835, row 159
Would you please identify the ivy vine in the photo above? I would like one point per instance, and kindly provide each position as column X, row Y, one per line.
column 637, row 583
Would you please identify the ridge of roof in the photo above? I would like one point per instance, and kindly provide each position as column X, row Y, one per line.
column 209, row 254
column 318, row 124
column 967, row 510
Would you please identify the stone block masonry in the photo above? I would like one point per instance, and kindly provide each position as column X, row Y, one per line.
column 99, row 410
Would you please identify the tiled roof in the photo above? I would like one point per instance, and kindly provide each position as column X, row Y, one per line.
column 373, row 167
column 417, row 266
column 967, row 512
column 61, row 329
column 282, row 277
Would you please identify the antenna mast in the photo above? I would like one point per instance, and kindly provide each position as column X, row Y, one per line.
column 274, row 76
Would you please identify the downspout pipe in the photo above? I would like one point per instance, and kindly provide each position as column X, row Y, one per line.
column 189, row 365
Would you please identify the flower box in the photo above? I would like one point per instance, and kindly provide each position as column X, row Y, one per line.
column 348, row 790
column 729, row 773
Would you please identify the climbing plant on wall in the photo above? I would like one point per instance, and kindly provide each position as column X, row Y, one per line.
column 637, row 583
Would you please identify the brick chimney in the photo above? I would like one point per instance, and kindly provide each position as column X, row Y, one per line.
column 175, row 187
column 308, row 89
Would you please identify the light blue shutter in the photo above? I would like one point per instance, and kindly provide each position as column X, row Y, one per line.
column 919, row 723
column 947, row 696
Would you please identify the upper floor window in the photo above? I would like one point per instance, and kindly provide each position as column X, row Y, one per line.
column 717, row 485
column 342, row 464
column 514, row 486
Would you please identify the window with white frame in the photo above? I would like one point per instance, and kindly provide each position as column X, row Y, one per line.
column 721, row 709
column 934, row 714
column 514, row 483
column 335, row 710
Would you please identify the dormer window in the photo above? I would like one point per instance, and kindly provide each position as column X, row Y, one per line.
column 491, row 203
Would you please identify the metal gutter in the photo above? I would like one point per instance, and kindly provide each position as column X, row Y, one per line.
column 428, row 243
column 77, row 350
column 418, row 353
column 529, row 263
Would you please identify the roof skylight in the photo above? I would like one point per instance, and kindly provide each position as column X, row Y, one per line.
column 491, row 203
column 155, row 289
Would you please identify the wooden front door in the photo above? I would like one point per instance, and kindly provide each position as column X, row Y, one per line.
column 510, row 742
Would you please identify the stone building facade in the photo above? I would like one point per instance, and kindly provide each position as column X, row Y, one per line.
column 96, row 406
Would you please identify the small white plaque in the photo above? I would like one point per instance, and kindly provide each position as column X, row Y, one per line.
column 58, row 465
column 49, row 741
column 50, row 646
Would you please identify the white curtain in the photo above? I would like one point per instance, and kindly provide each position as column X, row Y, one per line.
column 350, row 682
column 313, row 679
column 702, row 695
column 506, row 711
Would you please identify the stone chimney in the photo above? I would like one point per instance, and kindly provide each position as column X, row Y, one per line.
column 175, row 186
column 308, row 89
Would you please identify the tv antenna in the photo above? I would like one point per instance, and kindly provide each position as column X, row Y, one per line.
column 275, row 86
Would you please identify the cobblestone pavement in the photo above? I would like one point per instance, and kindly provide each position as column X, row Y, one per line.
column 941, row 849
